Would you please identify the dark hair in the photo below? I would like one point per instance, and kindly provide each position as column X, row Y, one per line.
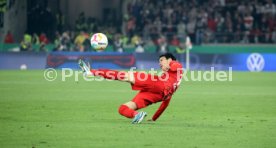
column 168, row 56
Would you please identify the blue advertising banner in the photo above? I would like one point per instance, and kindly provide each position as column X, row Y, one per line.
column 203, row 61
column 253, row 62
column 238, row 62
column 22, row 60
column 97, row 59
column 112, row 60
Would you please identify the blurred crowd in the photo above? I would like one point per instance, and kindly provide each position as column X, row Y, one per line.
column 205, row 21
column 163, row 23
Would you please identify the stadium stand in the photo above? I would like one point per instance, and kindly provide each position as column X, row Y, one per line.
column 159, row 23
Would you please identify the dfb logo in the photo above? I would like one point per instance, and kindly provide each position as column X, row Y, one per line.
column 255, row 62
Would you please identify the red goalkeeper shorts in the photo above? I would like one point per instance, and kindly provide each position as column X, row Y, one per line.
column 147, row 82
column 144, row 98
column 151, row 89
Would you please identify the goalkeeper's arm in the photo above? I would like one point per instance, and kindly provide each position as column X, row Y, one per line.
column 161, row 109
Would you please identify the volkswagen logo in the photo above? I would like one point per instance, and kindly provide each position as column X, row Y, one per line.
column 255, row 62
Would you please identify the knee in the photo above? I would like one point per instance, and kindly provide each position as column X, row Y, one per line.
column 131, row 105
column 121, row 109
column 129, row 77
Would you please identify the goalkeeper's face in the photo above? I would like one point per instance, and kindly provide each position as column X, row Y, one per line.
column 164, row 63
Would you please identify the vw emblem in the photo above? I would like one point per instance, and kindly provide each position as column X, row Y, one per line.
column 255, row 62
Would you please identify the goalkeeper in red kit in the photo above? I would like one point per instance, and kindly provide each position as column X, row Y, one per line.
column 152, row 88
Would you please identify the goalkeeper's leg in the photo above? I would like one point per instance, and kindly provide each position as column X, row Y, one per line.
column 107, row 73
column 114, row 75
column 129, row 110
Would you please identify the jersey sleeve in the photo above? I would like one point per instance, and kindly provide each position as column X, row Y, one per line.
column 161, row 109
column 174, row 65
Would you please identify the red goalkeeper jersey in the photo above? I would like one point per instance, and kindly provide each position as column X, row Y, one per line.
column 161, row 88
column 174, row 79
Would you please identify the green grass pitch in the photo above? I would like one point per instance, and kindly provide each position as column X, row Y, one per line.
column 37, row 113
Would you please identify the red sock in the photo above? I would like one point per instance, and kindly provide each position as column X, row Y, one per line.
column 127, row 112
column 109, row 74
